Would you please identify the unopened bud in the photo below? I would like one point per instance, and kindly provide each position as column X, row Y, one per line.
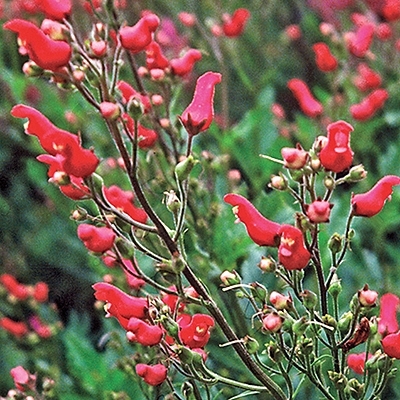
column 367, row 297
column 126, row 248
column 172, row 202
column 274, row 352
column 345, row 321
column 110, row 110
column 310, row 299
column 306, row 346
column 272, row 322
column 60, row 178
column 267, row 264
column 338, row 379
column 183, row 168
column 300, row 326
column 335, row 288
column 171, row 326
column 329, row 182
column 251, row 344
column 329, row 320
column 335, row 243
column 229, row 278
column 355, row 388
column 280, row 301
column 259, row 292
column 80, row 214
column 356, row 173
column 278, row 182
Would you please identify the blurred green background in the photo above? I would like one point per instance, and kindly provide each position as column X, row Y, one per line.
column 38, row 240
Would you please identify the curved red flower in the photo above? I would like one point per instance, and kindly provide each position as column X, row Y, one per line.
column 153, row 375
column 143, row 333
column 129, row 93
column 261, row 230
column 197, row 332
column 55, row 9
column 356, row 362
column 155, row 59
column 292, row 253
column 184, row 65
column 45, row 52
column 234, row 25
column 387, row 322
column 199, row 114
column 96, row 239
column 121, row 305
column 367, row 108
column 319, row 211
column 324, row 59
column 146, row 137
column 136, row 38
column 371, row 203
column 308, row 104
column 391, row 345
column 337, row 155
column 360, row 42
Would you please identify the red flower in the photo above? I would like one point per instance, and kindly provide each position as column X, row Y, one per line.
column 136, row 38
column 124, row 200
column 361, row 40
column 391, row 10
column 292, row 253
column 308, row 104
column 184, row 65
column 294, row 158
column 44, row 51
column 197, row 332
column 371, row 203
column 356, row 362
column 319, row 211
column 13, row 287
column 234, row 25
column 324, row 59
column 391, row 345
column 200, row 112
column 143, row 333
column 55, row 9
column 337, row 155
column 369, row 105
column 272, row 322
column 120, row 305
column 261, row 230
column 98, row 240
column 17, row 329
column 41, row 292
column 387, row 322
column 367, row 78
column 129, row 93
column 146, row 137
column 153, row 375
column 155, row 58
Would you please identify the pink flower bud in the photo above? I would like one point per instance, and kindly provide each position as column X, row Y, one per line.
column 293, row 32
column 337, row 155
column 229, row 278
column 324, row 59
column 308, row 104
column 371, row 203
column 280, row 301
column 272, row 322
column 23, row 380
column 110, row 110
column 99, row 48
column 319, row 211
column 356, row 362
column 384, row 31
column 199, row 114
column 294, row 158
column 187, row 19
column 261, row 230
column 98, row 240
column 367, row 297
column 153, row 375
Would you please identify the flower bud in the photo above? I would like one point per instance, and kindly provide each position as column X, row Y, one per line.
column 335, row 243
column 251, row 344
column 229, row 278
column 267, row 264
column 183, row 168
column 355, row 388
column 171, row 326
column 300, row 326
column 356, row 174
column 306, row 346
column 338, row 379
column 367, row 297
column 335, row 288
column 329, row 182
column 172, row 201
column 259, row 292
column 310, row 299
column 345, row 321
column 110, row 110
column 274, row 352
column 272, row 322
column 329, row 320
column 126, row 248
column 280, row 302
column 278, row 182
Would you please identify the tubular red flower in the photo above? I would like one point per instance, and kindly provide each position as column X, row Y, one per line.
column 337, row 155
column 361, row 40
column 367, row 78
column 308, row 104
column 197, row 332
column 387, row 322
column 55, row 9
column 234, row 25
column 367, row 108
column 391, row 345
column 143, row 333
column 153, row 375
column 371, row 203
column 184, row 65
column 14, row 287
column 16, row 328
column 356, row 362
column 261, row 230
column 391, row 10
column 146, row 137
column 45, row 52
column 154, row 57
column 199, row 114
column 129, row 93
column 324, row 59
column 136, row 38
column 96, row 239
column 41, row 292
column 120, row 303
column 124, row 200
column 292, row 253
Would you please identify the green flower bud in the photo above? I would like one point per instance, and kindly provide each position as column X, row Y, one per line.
column 278, row 182
column 135, row 108
column 345, row 321
column 338, row 379
column 329, row 320
column 335, row 243
column 274, row 352
column 98, row 182
column 267, row 264
column 259, row 292
column 310, row 299
column 300, row 326
column 355, row 388
column 335, row 287
column 183, row 168
column 306, row 346
column 329, row 182
column 251, row 344
column 172, row 202
column 127, row 249
column 170, row 326
column 185, row 355
column 356, row 174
